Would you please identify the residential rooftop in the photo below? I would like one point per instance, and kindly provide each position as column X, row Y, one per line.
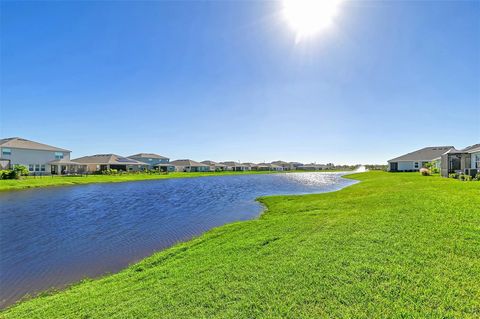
column 22, row 143
column 148, row 155
column 107, row 159
column 425, row 154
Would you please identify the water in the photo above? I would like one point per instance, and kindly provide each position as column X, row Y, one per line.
column 51, row 237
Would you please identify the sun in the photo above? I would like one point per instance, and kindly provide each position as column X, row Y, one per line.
column 308, row 17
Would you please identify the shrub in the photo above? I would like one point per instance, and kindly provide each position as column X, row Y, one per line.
column 21, row 170
column 453, row 175
column 9, row 174
column 477, row 177
column 425, row 171
column 109, row 171
column 464, row 177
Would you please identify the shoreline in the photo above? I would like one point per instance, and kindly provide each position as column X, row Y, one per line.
column 31, row 182
column 300, row 250
column 260, row 200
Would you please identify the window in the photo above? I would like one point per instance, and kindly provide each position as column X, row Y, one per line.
column 37, row 167
column 477, row 161
column 58, row 155
column 416, row 164
column 30, row 167
column 6, row 151
column 42, row 168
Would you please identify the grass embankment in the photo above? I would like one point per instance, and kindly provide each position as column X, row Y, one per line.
column 393, row 246
column 44, row 181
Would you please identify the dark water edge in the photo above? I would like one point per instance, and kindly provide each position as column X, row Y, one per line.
column 53, row 237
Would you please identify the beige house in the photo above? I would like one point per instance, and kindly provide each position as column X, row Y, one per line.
column 286, row 166
column 40, row 159
column 214, row 166
column 187, row 165
column 235, row 166
column 102, row 162
column 266, row 167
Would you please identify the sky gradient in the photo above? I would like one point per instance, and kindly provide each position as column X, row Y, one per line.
column 227, row 80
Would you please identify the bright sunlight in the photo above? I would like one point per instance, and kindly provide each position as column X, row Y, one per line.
column 308, row 17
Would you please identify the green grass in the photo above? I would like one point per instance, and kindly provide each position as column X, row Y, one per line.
column 393, row 246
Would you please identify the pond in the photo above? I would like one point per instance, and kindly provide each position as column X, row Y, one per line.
column 51, row 237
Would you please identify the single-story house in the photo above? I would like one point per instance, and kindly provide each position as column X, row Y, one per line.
column 248, row 165
column 266, row 167
column 413, row 161
column 187, row 165
column 102, row 162
column 214, row 166
column 296, row 165
column 235, row 166
column 150, row 159
column 40, row 159
column 465, row 161
column 286, row 166
column 312, row 167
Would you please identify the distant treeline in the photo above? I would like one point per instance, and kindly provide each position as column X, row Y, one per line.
column 345, row 167
column 376, row 167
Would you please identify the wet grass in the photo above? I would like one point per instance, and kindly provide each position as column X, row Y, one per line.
column 393, row 246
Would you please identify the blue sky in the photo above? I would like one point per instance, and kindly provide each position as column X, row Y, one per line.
column 227, row 80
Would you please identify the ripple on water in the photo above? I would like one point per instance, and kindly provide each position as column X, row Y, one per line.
column 54, row 236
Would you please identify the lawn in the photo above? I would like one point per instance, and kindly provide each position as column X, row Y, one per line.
column 393, row 246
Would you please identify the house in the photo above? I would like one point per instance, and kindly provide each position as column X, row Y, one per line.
column 150, row 159
column 187, row 165
column 296, row 165
column 236, row 166
column 267, row 167
column 413, row 161
column 286, row 166
column 40, row 159
column 214, row 166
column 312, row 167
column 260, row 167
column 102, row 162
column 248, row 165
column 465, row 161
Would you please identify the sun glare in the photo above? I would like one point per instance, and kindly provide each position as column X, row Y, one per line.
column 308, row 17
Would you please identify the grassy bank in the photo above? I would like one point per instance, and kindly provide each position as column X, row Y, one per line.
column 394, row 246
column 44, row 181
column 54, row 180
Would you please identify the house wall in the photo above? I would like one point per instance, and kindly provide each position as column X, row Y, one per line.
column 408, row 166
column 475, row 160
column 32, row 158
column 150, row 161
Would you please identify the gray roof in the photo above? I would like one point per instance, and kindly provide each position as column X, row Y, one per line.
column 424, row 154
column 64, row 161
column 267, row 165
column 17, row 142
column 471, row 148
column 280, row 163
column 187, row 162
column 148, row 155
column 234, row 164
column 107, row 159
column 212, row 163
column 248, row 164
